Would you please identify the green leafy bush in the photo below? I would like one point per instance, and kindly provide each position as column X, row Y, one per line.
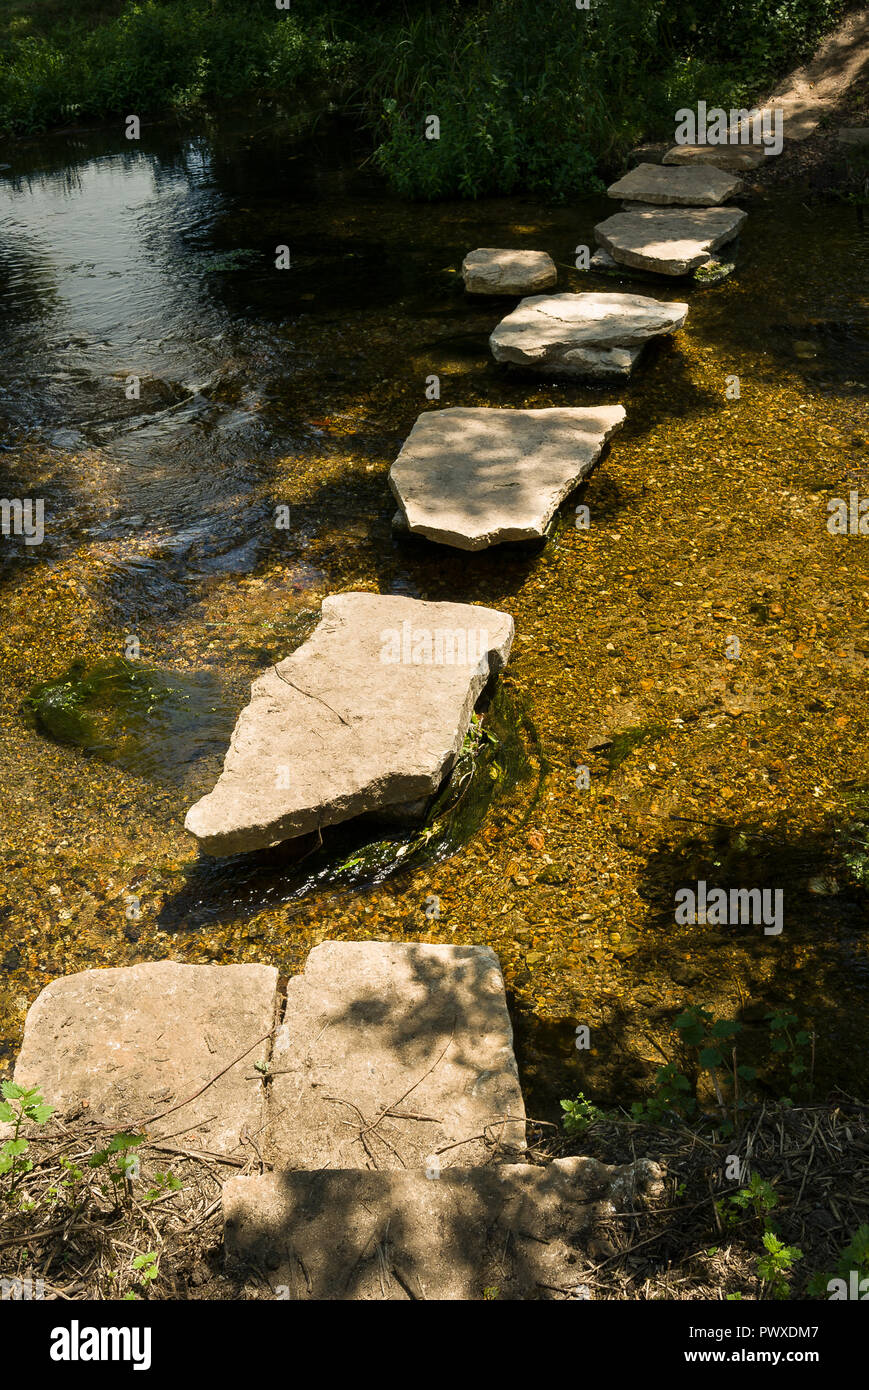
column 158, row 53
column 538, row 98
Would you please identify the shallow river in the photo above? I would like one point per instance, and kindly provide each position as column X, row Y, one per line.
column 259, row 387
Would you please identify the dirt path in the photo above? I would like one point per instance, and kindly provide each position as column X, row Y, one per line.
column 814, row 91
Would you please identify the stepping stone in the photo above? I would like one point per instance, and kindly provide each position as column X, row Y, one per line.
column 711, row 272
column 389, row 1053
column 646, row 154
column 597, row 334
column 493, row 271
column 698, row 186
column 719, row 156
column 368, row 715
column 671, row 241
column 131, row 1042
column 350, row 1235
column 602, row 260
column 474, row 477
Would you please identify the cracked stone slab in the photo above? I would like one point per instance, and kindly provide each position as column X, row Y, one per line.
column 135, row 1040
column 411, row 1044
column 368, row 715
column 690, row 186
column 474, row 477
column 595, row 334
column 351, row 1235
column 671, row 241
column 734, row 157
column 490, row 270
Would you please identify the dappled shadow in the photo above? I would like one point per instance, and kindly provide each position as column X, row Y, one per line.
column 471, row 474
column 409, row 1071
column 815, row 967
column 516, row 1233
column 370, row 1027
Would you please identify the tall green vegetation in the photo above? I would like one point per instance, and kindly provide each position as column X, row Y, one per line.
column 537, row 97
column 158, row 53
column 531, row 95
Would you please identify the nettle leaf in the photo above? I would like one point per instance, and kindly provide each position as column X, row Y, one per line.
column 858, row 1249
column 7, row 1114
column 39, row 1113
column 125, row 1141
column 725, row 1028
column 10, row 1091
column 692, row 1033
column 779, row 1044
column 710, row 1058
column 13, row 1147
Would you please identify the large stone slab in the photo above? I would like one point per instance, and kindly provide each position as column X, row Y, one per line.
column 369, row 714
column 735, row 157
column 389, row 1053
column 671, row 241
column 134, row 1041
column 491, row 270
column 473, row 477
column 510, row 1231
column 598, row 334
column 693, row 186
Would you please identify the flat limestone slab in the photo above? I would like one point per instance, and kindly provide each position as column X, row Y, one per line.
column 473, row 477
column 671, row 241
column 410, row 1043
column 718, row 156
column 692, row 186
column 369, row 713
column 491, row 270
column 597, row 334
column 133, row 1041
column 523, row 1230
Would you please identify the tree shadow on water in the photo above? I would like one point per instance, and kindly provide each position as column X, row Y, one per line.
column 816, row 967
